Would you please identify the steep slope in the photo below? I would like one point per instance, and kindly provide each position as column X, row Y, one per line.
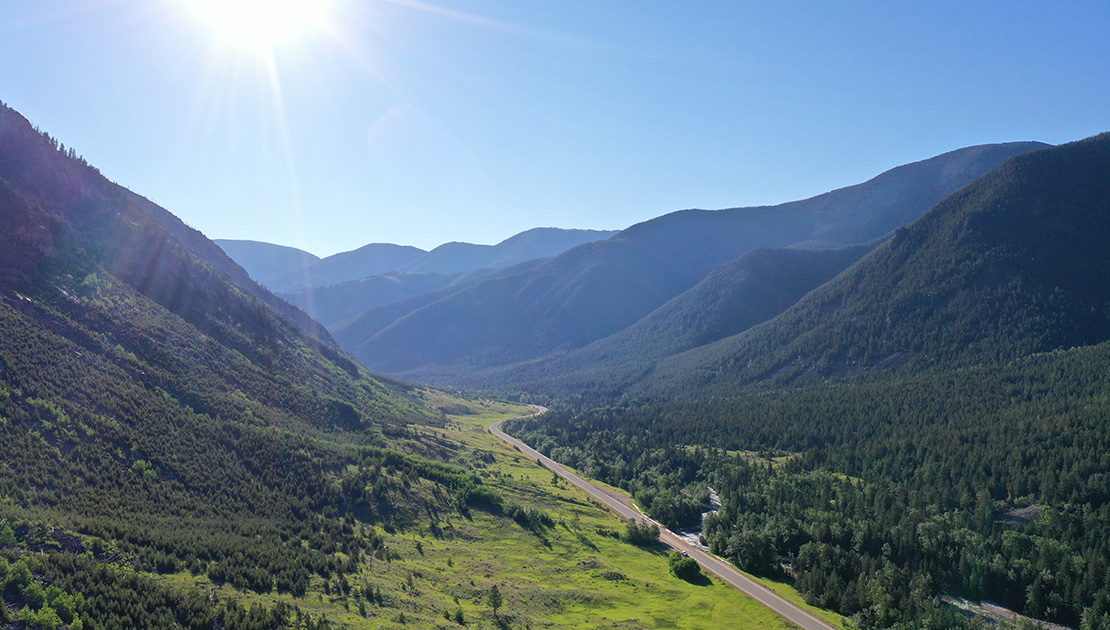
column 368, row 260
column 597, row 289
column 157, row 412
column 265, row 260
column 1014, row 264
column 734, row 297
column 332, row 304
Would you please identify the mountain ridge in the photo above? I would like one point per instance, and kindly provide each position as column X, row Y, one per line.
column 264, row 260
column 1024, row 244
column 732, row 298
column 385, row 258
column 597, row 289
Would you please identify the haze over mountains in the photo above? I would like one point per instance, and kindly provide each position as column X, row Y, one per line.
column 601, row 288
column 265, row 260
column 286, row 269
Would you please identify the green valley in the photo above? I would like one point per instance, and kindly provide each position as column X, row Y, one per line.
column 565, row 569
column 181, row 449
column 888, row 414
column 554, row 556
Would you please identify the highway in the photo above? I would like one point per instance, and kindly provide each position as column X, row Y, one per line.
column 622, row 505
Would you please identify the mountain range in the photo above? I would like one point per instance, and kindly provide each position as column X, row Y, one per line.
column 598, row 289
column 179, row 448
column 286, row 269
column 732, row 298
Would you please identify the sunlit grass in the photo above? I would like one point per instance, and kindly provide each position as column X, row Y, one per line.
column 571, row 575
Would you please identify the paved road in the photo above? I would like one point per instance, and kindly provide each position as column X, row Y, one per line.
column 621, row 504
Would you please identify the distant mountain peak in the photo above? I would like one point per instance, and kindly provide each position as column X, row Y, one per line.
column 284, row 269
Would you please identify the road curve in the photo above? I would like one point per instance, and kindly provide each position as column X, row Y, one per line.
column 623, row 506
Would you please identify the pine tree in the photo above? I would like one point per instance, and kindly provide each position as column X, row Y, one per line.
column 494, row 599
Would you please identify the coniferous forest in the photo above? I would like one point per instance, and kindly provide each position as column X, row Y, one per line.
column 879, row 496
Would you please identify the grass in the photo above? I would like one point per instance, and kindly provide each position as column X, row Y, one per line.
column 570, row 575
column 788, row 592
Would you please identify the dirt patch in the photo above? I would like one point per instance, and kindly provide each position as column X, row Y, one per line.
column 1020, row 516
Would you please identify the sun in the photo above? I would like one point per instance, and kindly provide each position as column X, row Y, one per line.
column 261, row 24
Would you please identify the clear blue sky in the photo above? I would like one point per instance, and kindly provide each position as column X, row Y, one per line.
column 420, row 122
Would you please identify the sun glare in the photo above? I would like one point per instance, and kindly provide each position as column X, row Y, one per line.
column 261, row 24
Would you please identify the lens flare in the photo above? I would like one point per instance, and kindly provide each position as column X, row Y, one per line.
column 261, row 24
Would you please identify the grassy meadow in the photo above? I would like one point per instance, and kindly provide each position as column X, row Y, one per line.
column 573, row 573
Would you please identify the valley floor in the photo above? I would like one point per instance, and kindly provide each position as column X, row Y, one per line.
column 574, row 574
column 622, row 505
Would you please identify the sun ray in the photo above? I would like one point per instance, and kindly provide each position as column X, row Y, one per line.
column 261, row 24
column 285, row 139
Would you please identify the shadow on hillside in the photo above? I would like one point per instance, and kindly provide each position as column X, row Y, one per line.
column 701, row 579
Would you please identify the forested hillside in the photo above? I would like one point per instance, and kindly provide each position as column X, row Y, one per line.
column 177, row 453
column 158, row 414
column 734, row 297
column 881, row 494
column 1013, row 264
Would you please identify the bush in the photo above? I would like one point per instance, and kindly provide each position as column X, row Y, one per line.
column 684, row 568
column 639, row 533
column 19, row 576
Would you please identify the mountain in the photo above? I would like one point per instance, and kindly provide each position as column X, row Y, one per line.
column 529, row 245
column 449, row 258
column 449, row 265
column 265, row 260
column 368, row 260
column 373, row 320
column 332, row 304
column 599, row 288
column 732, row 298
column 1014, row 264
column 161, row 412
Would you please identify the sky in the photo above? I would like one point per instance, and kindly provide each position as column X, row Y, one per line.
column 330, row 124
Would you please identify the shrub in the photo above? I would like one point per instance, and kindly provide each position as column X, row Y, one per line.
column 684, row 568
column 639, row 533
